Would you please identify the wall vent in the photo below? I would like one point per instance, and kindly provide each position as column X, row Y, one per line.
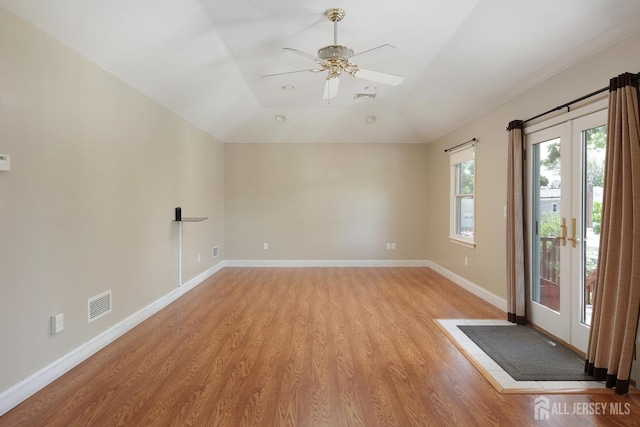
column 215, row 251
column 99, row 305
column 364, row 95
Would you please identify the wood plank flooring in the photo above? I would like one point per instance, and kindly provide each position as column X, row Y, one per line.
column 300, row 347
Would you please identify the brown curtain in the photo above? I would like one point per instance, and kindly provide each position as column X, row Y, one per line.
column 516, row 268
column 617, row 296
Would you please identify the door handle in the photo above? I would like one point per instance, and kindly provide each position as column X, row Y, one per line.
column 573, row 239
column 563, row 232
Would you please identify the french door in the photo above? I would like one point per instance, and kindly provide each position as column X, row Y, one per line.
column 565, row 165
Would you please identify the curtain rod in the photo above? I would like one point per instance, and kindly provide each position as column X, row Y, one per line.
column 460, row 145
column 568, row 104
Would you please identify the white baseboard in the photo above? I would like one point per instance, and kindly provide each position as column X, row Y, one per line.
column 477, row 290
column 327, row 263
column 26, row 388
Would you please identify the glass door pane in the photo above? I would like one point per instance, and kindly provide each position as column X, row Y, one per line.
column 547, row 198
column 594, row 142
column 549, row 192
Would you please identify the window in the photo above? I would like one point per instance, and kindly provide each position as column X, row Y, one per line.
column 462, row 211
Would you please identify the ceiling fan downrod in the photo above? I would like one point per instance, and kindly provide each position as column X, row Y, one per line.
column 335, row 15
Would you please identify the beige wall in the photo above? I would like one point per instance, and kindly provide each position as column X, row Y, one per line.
column 325, row 201
column 486, row 266
column 97, row 169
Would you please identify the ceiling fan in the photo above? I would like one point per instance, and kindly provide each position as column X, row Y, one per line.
column 336, row 58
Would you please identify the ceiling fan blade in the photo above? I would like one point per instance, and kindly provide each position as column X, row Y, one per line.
column 292, row 72
column 331, row 87
column 376, row 76
column 382, row 49
column 306, row 55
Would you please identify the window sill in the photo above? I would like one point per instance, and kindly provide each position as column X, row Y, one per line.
column 466, row 243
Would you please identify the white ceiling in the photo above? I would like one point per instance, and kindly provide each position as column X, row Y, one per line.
column 204, row 59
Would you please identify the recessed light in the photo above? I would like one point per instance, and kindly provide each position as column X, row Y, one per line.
column 288, row 87
column 371, row 119
column 280, row 118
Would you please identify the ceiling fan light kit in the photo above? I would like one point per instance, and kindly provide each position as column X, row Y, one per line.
column 334, row 59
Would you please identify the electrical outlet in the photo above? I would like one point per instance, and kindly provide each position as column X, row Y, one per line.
column 388, row 245
column 57, row 323
column 265, row 246
column 393, row 246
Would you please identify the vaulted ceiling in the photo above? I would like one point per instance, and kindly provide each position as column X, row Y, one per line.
column 205, row 59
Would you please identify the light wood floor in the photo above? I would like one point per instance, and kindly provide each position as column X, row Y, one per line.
column 299, row 347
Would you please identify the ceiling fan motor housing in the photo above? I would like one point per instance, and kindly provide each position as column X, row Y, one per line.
column 335, row 52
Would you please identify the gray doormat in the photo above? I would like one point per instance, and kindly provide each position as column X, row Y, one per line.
column 527, row 354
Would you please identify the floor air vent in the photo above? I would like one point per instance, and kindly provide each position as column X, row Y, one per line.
column 99, row 305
